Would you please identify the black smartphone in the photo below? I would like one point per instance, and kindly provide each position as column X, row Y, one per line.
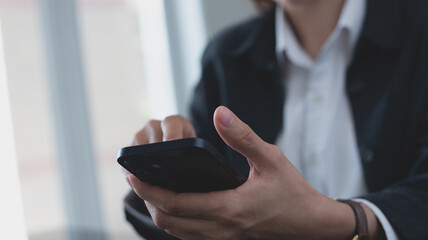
column 184, row 165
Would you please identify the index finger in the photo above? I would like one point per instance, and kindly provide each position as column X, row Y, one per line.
column 176, row 127
column 195, row 205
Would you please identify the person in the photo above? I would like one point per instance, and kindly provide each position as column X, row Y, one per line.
column 323, row 100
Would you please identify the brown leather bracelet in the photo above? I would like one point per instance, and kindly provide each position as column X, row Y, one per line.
column 361, row 230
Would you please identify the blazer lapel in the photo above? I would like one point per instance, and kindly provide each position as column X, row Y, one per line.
column 262, row 100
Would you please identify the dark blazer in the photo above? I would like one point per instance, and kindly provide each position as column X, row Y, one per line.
column 387, row 84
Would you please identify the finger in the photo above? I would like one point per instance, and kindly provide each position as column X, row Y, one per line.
column 195, row 205
column 182, row 227
column 140, row 138
column 125, row 172
column 242, row 138
column 177, row 127
column 154, row 131
column 150, row 133
column 172, row 225
column 150, row 208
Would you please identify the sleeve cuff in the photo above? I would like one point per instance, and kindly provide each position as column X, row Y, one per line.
column 389, row 231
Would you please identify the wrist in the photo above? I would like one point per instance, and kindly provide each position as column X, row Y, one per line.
column 334, row 220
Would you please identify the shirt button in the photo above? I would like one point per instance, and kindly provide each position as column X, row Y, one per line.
column 366, row 154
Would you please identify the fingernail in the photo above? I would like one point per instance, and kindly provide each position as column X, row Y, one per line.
column 226, row 117
column 128, row 180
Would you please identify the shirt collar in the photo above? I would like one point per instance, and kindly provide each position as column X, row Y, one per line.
column 351, row 20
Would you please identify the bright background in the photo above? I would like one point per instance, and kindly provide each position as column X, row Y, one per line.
column 140, row 60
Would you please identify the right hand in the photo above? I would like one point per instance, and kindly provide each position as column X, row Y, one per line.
column 171, row 128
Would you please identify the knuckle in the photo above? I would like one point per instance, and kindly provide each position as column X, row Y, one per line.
column 176, row 126
column 153, row 124
column 277, row 152
column 160, row 220
column 171, row 208
column 234, row 216
column 172, row 118
column 138, row 135
column 147, row 132
column 277, row 156
column 245, row 136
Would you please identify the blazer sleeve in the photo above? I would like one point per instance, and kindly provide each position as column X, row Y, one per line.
column 206, row 98
column 405, row 203
column 208, row 95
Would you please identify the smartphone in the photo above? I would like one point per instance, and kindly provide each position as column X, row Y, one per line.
column 184, row 165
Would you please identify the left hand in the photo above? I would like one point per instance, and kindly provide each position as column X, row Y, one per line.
column 274, row 203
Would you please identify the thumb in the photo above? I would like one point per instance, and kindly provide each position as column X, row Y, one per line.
column 241, row 137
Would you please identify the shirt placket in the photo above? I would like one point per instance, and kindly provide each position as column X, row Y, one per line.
column 314, row 121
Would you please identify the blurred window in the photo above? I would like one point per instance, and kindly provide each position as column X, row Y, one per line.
column 140, row 61
column 117, row 102
column 116, row 94
column 31, row 114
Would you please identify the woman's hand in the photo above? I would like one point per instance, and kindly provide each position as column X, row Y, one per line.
column 274, row 203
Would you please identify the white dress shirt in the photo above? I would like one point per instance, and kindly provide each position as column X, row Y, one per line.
column 319, row 137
